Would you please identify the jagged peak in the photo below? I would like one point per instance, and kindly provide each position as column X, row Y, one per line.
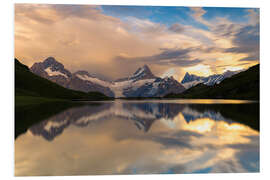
column 142, row 72
column 144, row 69
column 187, row 74
column 190, row 77
column 50, row 59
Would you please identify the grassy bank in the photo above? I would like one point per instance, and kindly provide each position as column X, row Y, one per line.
column 31, row 100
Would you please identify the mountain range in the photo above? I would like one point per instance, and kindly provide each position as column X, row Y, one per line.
column 244, row 85
column 29, row 86
column 191, row 80
column 143, row 83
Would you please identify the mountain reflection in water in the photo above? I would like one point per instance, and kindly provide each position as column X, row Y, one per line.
column 127, row 137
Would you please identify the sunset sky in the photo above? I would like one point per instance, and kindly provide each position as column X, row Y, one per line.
column 113, row 41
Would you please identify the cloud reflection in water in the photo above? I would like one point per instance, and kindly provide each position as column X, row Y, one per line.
column 123, row 137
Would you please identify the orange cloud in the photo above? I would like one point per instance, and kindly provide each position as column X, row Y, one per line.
column 83, row 38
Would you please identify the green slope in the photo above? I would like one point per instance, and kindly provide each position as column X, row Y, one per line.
column 244, row 85
column 30, row 87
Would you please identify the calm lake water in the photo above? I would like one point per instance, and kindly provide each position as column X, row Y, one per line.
column 138, row 137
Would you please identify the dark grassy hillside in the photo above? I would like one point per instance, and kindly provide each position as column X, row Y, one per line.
column 244, row 85
column 29, row 84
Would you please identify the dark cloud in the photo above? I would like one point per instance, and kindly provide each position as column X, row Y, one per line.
column 183, row 63
column 247, row 40
column 245, row 37
column 171, row 54
column 166, row 57
column 253, row 57
column 210, row 49
column 91, row 38
column 225, row 30
column 244, row 146
column 177, row 28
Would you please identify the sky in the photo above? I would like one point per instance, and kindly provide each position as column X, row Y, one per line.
column 114, row 41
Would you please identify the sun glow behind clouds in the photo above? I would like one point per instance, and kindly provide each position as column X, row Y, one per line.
column 233, row 68
column 95, row 36
column 200, row 70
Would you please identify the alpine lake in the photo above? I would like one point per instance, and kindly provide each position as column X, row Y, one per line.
column 137, row 137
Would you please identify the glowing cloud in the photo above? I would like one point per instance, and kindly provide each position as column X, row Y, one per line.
column 102, row 39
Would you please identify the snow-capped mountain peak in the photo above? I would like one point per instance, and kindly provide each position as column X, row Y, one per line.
column 142, row 83
column 191, row 80
column 142, row 73
column 190, row 77
column 52, row 61
column 53, row 70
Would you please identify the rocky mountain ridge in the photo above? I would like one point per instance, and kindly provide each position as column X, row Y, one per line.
column 143, row 83
column 191, row 80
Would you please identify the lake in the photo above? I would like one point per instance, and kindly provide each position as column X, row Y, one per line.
column 137, row 137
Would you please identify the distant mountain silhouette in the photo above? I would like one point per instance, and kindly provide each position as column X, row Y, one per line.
column 244, row 85
column 191, row 80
